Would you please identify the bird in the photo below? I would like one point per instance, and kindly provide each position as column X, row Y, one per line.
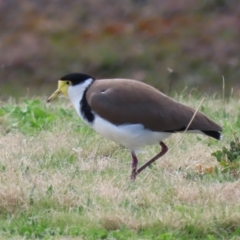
column 132, row 113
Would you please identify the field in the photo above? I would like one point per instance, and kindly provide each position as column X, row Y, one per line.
column 61, row 180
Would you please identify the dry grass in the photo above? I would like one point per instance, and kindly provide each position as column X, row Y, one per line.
column 68, row 176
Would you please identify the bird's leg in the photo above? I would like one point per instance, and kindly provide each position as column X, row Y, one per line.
column 134, row 166
column 163, row 151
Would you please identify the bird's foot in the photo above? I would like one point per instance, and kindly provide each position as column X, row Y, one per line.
column 133, row 175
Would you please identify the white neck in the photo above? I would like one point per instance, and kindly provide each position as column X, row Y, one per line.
column 75, row 94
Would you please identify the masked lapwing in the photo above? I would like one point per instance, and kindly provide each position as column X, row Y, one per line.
column 131, row 113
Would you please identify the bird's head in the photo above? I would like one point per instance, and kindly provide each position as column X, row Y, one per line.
column 69, row 80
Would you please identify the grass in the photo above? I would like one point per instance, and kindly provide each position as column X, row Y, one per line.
column 61, row 180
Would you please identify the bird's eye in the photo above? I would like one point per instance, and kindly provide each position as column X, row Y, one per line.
column 68, row 83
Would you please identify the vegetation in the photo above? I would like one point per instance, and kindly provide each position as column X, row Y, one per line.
column 61, row 180
column 229, row 159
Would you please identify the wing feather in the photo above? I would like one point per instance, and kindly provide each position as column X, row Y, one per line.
column 122, row 101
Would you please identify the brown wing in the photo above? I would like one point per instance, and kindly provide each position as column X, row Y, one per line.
column 122, row 101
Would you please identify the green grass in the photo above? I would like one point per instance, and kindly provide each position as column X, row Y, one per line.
column 61, row 180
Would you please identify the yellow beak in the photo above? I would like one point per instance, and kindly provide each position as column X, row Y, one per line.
column 62, row 89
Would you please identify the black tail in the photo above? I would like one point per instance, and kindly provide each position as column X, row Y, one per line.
column 214, row 134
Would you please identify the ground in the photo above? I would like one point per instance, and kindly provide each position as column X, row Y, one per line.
column 61, row 180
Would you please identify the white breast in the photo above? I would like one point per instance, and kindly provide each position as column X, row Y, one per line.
column 132, row 136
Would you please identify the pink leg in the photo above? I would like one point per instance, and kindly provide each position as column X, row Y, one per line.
column 134, row 166
column 163, row 151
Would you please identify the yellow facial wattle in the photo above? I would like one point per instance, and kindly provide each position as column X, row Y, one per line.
column 62, row 89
